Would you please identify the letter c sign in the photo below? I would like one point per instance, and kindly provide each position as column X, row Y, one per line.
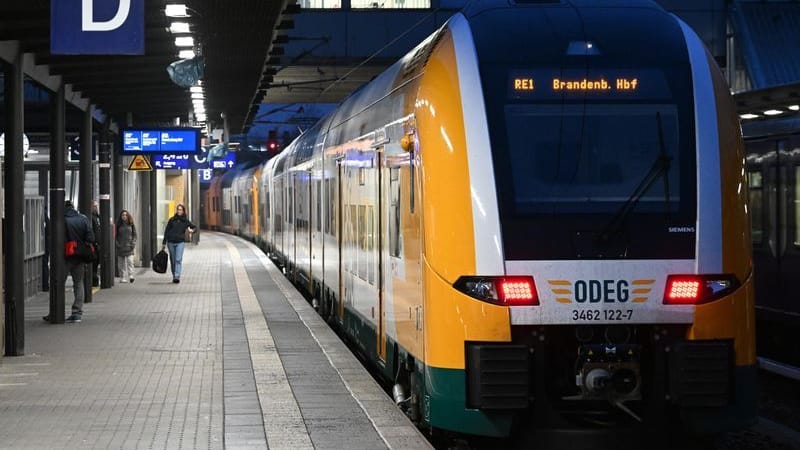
column 97, row 27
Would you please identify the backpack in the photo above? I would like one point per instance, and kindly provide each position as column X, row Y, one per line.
column 160, row 262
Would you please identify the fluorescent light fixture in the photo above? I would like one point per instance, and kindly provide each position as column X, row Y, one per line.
column 748, row 116
column 198, row 95
column 186, row 54
column 200, row 117
column 179, row 27
column 772, row 112
column 199, row 110
column 196, row 89
column 176, row 10
column 184, row 41
column 794, row 107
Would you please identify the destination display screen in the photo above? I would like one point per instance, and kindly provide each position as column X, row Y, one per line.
column 160, row 140
column 547, row 84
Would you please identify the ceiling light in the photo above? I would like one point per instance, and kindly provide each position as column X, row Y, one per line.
column 773, row 112
column 199, row 110
column 176, row 10
column 179, row 27
column 748, row 116
column 198, row 95
column 196, row 89
column 184, row 41
column 794, row 107
column 186, row 54
column 201, row 117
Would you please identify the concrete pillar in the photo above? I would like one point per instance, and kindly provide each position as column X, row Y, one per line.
column 14, row 209
column 104, row 157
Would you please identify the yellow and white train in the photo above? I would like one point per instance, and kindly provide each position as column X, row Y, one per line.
column 537, row 219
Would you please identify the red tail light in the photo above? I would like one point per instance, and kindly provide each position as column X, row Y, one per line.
column 506, row 291
column 697, row 289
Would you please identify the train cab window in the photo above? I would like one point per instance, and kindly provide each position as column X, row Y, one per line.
column 755, row 181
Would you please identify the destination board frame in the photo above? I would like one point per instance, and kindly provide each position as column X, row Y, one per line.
column 152, row 140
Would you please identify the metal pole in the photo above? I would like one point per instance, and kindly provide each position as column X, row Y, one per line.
column 57, row 227
column 107, row 278
column 43, row 182
column 14, row 208
column 85, row 192
column 153, row 237
column 145, row 238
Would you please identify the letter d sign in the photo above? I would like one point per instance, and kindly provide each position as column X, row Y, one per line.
column 97, row 27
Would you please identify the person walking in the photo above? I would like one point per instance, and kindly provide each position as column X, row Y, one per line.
column 125, row 243
column 174, row 239
column 96, row 231
column 78, row 231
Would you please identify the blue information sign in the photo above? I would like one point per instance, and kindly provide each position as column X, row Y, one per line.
column 160, row 140
column 171, row 161
column 97, row 27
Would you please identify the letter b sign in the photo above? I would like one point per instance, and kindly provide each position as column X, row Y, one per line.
column 97, row 27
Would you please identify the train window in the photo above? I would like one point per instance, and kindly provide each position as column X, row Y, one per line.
column 328, row 206
column 387, row 4
column 362, row 242
column 755, row 180
column 394, row 212
column 319, row 205
column 795, row 205
column 371, row 243
column 362, row 176
column 352, row 238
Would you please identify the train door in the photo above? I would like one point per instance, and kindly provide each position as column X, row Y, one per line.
column 378, row 248
column 789, row 250
column 340, row 173
column 765, row 190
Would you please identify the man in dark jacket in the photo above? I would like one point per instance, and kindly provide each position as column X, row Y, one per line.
column 96, row 231
column 79, row 229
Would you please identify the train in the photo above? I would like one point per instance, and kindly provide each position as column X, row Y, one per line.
column 537, row 220
column 773, row 156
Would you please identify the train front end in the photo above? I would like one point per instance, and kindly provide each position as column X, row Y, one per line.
column 610, row 233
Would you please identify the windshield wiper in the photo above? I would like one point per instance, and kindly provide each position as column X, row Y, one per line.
column 659, row 168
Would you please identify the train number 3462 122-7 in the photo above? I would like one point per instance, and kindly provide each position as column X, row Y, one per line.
column 602, row 315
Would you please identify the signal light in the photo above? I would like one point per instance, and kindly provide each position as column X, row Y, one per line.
column 505, row 291
column 698, row 289
column 273, row 145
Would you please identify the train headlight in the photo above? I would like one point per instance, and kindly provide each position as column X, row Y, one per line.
column 698, row 289
column 506, row 291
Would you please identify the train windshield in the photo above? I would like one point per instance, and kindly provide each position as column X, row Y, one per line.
column 579, row 159
column 593, row 163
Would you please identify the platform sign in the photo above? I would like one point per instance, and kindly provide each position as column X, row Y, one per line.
column 140, row 163
column 97, row 27
column 205, row 175
column 171, row 161
column 226, row 162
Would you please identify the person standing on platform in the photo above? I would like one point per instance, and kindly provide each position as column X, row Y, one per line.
column 174, row 239
column 96, row 231
column 125, row 243
column 78, row 230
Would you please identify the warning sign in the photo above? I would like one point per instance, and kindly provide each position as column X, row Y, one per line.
column 140, row 162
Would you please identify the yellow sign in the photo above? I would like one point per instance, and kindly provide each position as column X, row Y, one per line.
column 140, row 162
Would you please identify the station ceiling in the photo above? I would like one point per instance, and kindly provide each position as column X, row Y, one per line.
column 235, row 37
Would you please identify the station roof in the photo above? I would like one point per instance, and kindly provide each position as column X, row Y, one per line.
column 234, row 36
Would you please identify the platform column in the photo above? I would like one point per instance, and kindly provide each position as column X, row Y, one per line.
column 85, row 192
column 56, row 224
column 107, row 265
column 14, row 207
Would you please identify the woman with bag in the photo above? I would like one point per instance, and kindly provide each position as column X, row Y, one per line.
column 125, row 243
column 174, row 238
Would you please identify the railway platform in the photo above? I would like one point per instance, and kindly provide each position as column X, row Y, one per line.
column 233, row 357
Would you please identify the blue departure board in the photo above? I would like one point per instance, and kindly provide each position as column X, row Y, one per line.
column 160, row 140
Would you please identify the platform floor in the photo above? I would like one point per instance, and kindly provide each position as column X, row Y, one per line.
column 232, row 357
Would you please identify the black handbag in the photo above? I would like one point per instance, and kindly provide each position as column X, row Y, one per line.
column 160, row 262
